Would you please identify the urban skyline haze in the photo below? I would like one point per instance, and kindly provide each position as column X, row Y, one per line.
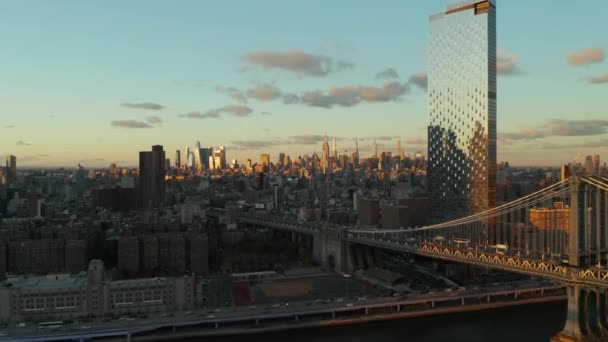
column 94, row 83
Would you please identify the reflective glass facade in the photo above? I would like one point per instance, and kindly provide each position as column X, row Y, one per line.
column 462, row 106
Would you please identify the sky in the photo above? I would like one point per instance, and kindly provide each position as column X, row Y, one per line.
column 94, row 82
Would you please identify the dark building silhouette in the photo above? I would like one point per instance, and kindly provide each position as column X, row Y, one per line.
column 152, row 177
column 128, row 255
column 116, row 198
column 76, row 256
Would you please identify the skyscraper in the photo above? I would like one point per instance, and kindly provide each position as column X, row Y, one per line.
column 265, row 159
column 462, row 104
column 375, row 149
column 399, row 147
column 178, row 159
column 152, row 177
column 596, row 165
column 11, row 167
column 334, row 150
column 325, row 155
column 589, row 167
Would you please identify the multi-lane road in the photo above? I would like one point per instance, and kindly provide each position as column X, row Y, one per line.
column 289, row 315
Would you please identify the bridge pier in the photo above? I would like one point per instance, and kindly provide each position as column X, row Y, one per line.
column 331, row 250
column 586, row 318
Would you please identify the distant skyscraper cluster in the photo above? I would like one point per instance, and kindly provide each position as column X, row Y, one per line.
column 462, row 104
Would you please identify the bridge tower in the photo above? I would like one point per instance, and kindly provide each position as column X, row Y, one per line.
column 588, row 234
column 330, row 249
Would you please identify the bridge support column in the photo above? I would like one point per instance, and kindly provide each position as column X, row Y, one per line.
column 378, row 257
column 369, row 257
column 359, row 255
column 572, row 328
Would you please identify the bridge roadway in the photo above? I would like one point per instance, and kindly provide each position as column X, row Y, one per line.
column 367, row 310
column 447, row 250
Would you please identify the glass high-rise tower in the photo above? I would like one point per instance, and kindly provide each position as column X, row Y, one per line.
column 462, row 106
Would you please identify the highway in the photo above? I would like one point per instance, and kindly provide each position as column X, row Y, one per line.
column 243, row 319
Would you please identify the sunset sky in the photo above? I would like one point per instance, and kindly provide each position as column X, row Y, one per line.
column 94, row 82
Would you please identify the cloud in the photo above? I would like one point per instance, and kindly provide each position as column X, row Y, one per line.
column 586, row 56
column 233, row 93
column 415, row 141
column 253, row 144
column 348, row 96
column 130, row 124
column 420, row 80
column 33, row 157
column 387, row 74
column 154, row 119
column 9, row 126
column 306, row 139
column 234, row 110
column 506, row 63
column 143, row 105
column 23, row 143
column 266, row 113
column 378, row 138
column 297, row 61
column 598, row 79
column 264, row 92
column 588, row 144
column 559, row 127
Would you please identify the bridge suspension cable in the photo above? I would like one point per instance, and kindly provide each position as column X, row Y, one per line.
column 523, row 202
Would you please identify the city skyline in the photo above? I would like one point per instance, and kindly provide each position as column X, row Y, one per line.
column 262, row 91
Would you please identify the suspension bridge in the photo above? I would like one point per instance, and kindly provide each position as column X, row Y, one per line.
column 559, row 232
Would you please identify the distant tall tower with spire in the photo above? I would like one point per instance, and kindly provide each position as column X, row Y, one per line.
column 375, row 149
column 334, row 149
column 399, row 151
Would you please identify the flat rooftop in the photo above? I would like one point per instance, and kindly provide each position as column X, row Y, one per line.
column 52, row 281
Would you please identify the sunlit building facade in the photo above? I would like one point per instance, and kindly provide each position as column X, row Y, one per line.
column 462, row 105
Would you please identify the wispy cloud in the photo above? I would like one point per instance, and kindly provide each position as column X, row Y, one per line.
column 348, row 96
column 387, row 74
column 587, row 144
column 154, row 119
column 23, row 143
column 297, row 61
column 130, row 124
column 233, row 93
column 143, row 105
column 586, row 56
column 33, row 157
column 9, row 126
column 266, row 113
column 264, row 92
column 420, row 80
column 507, row 63
column 559, row 127
column 238, row 111
column 597, row 79
column 306, row 139
column 253, row 144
